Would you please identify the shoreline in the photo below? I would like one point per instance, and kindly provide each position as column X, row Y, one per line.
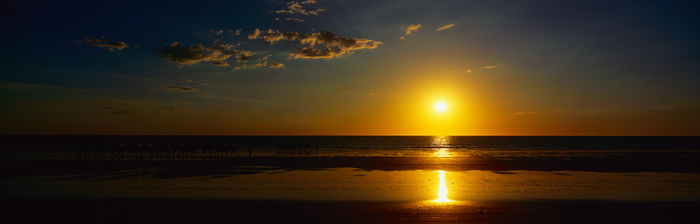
column 646, row 162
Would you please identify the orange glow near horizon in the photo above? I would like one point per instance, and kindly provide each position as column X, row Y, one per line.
column 438, row 108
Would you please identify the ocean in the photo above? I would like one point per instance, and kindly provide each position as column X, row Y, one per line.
column 365, row 146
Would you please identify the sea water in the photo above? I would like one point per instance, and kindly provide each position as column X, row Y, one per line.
column 367, row 146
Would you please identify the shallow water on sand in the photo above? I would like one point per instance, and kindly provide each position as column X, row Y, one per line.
column 351, row 184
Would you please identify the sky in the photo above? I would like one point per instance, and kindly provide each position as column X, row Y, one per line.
column 342, row 67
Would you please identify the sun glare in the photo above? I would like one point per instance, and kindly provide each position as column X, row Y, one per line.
column 441, row 106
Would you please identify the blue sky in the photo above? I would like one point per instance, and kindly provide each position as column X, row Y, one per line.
column 351, row 67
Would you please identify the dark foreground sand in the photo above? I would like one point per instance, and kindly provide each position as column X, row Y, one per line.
column 263, row 211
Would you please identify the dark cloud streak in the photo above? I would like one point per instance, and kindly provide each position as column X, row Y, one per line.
column 188, row 55
column 109, row 45
column 180, row 88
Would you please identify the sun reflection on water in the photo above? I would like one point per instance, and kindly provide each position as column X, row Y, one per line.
column 442, row 152
column 442, row 191
column 441, row 143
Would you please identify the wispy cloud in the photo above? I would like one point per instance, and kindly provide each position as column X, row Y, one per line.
column 412, row 28
column 217, row 32
column 295, row 19
column 247, row 66
column 204, row 83
column 188, row 55
column 260, row 64
column 294, row 7
column 276, row 65
column 180, row 88
column 490, row 66
column 109, row 45
column 445, row 27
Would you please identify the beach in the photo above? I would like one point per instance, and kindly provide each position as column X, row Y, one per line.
column 350, row 111
column 440, row 185
column 346, row 190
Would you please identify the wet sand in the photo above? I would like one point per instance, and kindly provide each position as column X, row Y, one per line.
column 608, row 188
column 624, row 161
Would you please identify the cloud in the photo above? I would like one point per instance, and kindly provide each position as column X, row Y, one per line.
column 295, row 19
column 316, row 12
column 217, row 32
column 254, row 34
column 332, row 45
column 445, row 27
column 244, row 55
column 220, row 63
column 183, row 54
column 245, row 66
column 204, row 83
column 272, row 36
column 260, row 64
column 412, row 28
column 276, row 65
column 109, row 45
column 490, row 66
column 180, row 88
column 316, row 45
column 294, row 7
column 188, row 55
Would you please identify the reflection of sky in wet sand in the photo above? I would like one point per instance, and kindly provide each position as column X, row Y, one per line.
column 350, row 184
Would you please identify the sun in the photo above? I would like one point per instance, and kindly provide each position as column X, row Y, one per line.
column 440, row 106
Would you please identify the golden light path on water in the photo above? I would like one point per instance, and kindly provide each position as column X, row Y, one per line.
column 441, row 142
column 442, row 191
